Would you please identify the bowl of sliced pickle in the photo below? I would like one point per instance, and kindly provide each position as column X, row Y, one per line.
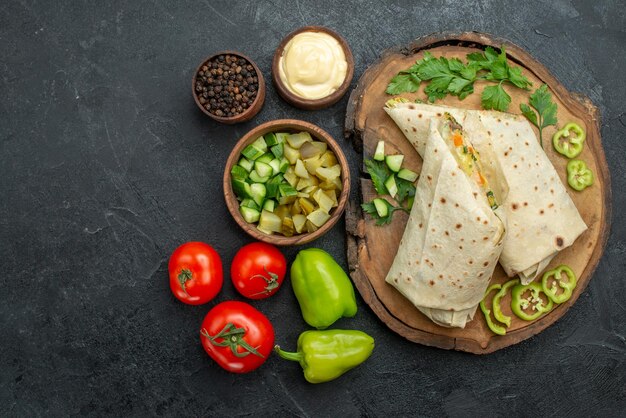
column 286, row 182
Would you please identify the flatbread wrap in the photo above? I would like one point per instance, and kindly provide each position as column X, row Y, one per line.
column 455, row 233
column 541, row 217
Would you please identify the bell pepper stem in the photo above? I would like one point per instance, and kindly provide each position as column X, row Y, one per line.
column 287, row 355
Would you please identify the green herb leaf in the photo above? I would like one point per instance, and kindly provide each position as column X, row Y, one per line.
column 530, row 115
column 370, row 209
column 455, row 65
column 378, row 172
column 434, row 68
column 541, row 101
column 402, row 83
column 517, row 79
column 458, row 84
column 452, row 77
column 469, row 72
column 494, row 97
column 405, row 189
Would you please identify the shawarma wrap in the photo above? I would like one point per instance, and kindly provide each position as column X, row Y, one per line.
column 541, row 217
column 455, row 233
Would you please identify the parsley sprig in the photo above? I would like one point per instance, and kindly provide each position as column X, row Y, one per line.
column 452, row 77
column 541, row 101
column 379, row 172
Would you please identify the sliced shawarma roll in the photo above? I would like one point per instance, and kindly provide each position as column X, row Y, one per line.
column 455, row 233
column 541, row 217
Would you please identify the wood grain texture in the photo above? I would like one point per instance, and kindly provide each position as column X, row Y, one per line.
column 286, row 125
column 371, row 249
column 316, row 104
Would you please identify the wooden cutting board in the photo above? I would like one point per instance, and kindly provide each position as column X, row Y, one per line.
column 371, row 249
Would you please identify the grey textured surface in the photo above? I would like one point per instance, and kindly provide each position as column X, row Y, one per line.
column 106, row 166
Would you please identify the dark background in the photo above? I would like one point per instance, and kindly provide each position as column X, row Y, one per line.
column 106, row 166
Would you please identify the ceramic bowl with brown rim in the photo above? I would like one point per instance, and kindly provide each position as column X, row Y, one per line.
column 288, row 126
column 242, row 95
column 312, row 104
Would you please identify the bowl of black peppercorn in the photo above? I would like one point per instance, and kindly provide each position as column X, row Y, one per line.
column 229, row 87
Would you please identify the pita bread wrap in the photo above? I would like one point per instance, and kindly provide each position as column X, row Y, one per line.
column 541, row 217
column 453, row 239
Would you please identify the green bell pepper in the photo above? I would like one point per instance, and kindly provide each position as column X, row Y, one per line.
column 326, row 355
column 567, row 285
column 497, row 329
column 534, row 302
column 569, row 141
column 497, row 308
column 579, row 176
column 322, row 288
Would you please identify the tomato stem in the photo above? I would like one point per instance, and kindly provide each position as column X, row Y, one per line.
column 272, row 282
column 183, row 277
column 232, row 337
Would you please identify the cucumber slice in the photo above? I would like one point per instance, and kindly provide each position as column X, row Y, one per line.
column 270, row 139
column 407, row 175
column 390, row 184
column 265, row 158
column 278, row 150
column 281, row 137
column 257, row 193
column 269, row 205
column 246, row 164
column 238, row 172
column 379, row 155
column 241, row 188
column 249, row 203
column 252, row 153
column 263, row 169
column 409, row 202
column 250, row 215
column 272, row 186
column 256, row 178
column 275, row 164
column 284, row 165
column 287, row 190
column 381, row 207
column 260, row 144
column 394, row 162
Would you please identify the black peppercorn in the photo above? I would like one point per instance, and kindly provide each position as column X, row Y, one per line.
column 226, row 86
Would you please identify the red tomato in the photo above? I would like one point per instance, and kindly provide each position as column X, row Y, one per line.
column 196, row 274
column 237, row 336
column 258, row 270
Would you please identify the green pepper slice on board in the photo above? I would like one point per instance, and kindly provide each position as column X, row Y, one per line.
column 326, row 355
column 497, row 329
column 520, row 303
column 497, row 308
column 569, row 141
column 579, row 176
column 566, row 285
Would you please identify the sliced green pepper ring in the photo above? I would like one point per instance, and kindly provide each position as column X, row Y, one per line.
column 579, row 176
column 552, row 289
column 519, row 302
column 569, row 141
column 497, row 309
column 497, row 329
